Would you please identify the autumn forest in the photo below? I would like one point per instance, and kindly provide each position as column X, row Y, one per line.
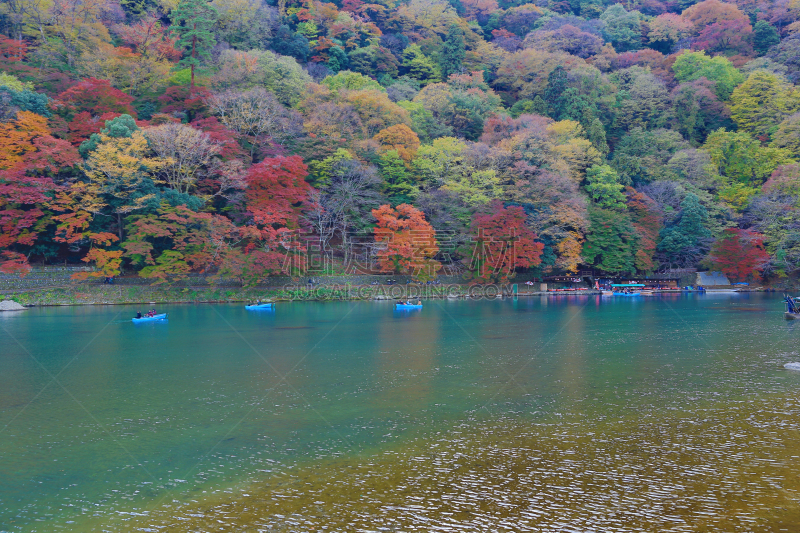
column 231, row 137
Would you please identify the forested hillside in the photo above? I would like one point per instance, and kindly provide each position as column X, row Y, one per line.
column 177, row 136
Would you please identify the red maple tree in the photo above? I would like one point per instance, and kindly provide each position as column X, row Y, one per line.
column 217, row 132
column 739, row 253
column 95, row 97
column 647, row 220
column 502, row 243
column 187, row 100
column 277, row 192
column 12, row 55
column 83, row 124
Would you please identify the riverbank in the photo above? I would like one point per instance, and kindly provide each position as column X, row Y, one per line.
column 101, row 294
column 54, row 286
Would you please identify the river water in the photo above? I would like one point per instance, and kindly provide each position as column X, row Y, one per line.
column 581, row 413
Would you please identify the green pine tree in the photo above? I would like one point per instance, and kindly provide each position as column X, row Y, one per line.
column 604, row 188
column 338, row 59
column 611, row 241
column 555, row 91
column 538, row 106
column 765, row 36
column 192, row 20
column 397, row 185
column 452, row 54
column 419, row 66
column 687, row 241
column 596, row 134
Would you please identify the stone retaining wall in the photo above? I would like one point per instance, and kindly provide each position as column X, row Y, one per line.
column 38, row 279
column 135, row 294
column 54, row 277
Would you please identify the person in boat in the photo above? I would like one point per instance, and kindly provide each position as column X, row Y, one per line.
column 139, row 314
column 419, row 302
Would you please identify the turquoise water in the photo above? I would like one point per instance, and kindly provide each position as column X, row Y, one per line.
column 105, row 424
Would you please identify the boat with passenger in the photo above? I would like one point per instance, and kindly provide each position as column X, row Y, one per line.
column 149, row 317
column 403, row 305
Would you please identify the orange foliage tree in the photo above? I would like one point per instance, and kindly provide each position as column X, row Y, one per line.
column 407, row 241
column 29, row 157
column 710, row 12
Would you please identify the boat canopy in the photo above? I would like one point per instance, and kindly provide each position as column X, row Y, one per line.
column 627, row 284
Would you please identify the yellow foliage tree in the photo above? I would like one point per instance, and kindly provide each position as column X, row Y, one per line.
column 568, row 251
column 400, row 138
column 760, row 103
column 525, row 72
column 788, row 135
column 376, row 110
column 128, row 71
column 475, row 187
column 122, row 173
column 572, row 148
column 64, row 28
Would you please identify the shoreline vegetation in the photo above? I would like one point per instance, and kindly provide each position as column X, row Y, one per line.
column 133, row 294
column 101, row 294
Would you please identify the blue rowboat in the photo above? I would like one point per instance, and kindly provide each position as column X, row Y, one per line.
column 406, row 306
column 259, row 307
column 154, row 318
